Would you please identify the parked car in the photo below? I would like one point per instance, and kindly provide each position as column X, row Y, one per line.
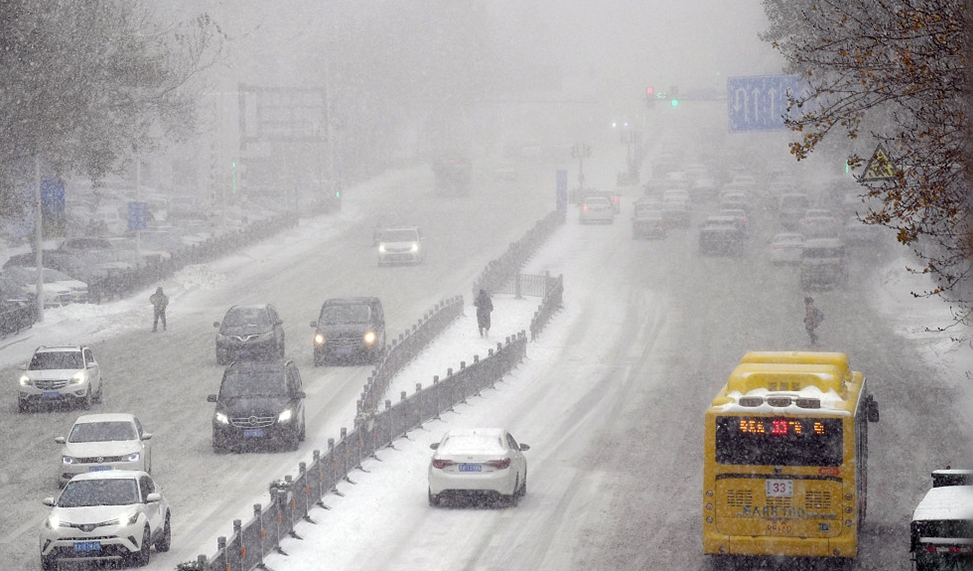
column 59, row 289
column 647, row 221
column 596, row 209
column 786, row 248
column 480, row 461
column 113, row 516
column 114, row 441
column 249, row 332
column 259, row 403
column 819, row 223
column 823, row 263
column 401, row 245
column 58, row 375
column 349, row 329
column 721, row 235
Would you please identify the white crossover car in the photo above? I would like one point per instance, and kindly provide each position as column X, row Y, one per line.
column 60, row 374
column 113, row 516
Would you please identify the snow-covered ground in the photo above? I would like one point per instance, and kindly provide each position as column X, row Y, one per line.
column 928, row 323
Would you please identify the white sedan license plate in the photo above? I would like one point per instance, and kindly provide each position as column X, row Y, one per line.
column 780, row 488
column 470, row 468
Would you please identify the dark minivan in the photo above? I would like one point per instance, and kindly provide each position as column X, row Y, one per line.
column 349, row 329
column 249, row 332
column 259, row 403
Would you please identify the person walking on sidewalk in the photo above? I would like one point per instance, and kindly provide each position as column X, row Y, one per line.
column 812, row 319
column 159, row 302
column 484, row 305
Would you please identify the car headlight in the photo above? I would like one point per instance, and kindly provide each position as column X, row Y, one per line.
column 67, row 460
column 285, row 416
column 415, row 247
column 381, row 248
column 25, row 381
column 319, row 339
column 133, row 457
column 77, row 379
column 370, row 337
column 222, row 418
column 52, row 522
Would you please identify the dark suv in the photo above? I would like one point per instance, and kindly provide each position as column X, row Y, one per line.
column 259, row 403
column 249, row 332
column 349, row 329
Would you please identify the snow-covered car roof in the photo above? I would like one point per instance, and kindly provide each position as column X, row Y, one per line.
column 105, row 417
column 948, row 502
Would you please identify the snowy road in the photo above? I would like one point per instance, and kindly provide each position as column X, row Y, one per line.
column 610, row 399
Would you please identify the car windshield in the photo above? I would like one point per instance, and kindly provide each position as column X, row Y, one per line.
column 252, row 383
column 43, row 360
column 242, row 316
column 108, row 492
column 345, row 314
column 399, row 236
column 109, row 431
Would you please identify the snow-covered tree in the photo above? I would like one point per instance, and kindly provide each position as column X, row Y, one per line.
column 894, row 71
column 85, row 84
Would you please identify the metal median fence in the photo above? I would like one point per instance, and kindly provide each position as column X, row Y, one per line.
column 406, row 348
column 292, row 498
column 500, row 271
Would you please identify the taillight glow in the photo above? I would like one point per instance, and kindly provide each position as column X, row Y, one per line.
column 586, row 208
column 440, row 464
column 499, row 464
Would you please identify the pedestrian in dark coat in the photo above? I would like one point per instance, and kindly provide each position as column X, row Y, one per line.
column 812, row 319
column 159, row 302
column 484, row 305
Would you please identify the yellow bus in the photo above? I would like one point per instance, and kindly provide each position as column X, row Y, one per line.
column 786, row 447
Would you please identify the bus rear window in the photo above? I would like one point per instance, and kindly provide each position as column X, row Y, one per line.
column 778, row 441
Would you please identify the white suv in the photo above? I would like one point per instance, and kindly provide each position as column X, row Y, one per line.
column 114, row 516
column 96, row 442
column 401, row 245
column 60, row 374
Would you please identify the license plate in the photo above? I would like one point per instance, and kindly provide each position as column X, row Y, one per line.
column 253, row 432
column 780, row 488
column 470, row 468
column 87, row 546
column 343, row 350
column 98, row 468
column 50, row 395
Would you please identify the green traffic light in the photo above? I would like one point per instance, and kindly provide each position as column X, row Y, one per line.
column 675, row 102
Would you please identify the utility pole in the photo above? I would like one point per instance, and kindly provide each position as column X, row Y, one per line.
column 39, row 238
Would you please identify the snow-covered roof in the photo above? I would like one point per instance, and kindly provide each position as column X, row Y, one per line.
column 948, row 502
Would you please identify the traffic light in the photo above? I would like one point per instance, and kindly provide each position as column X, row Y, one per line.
column 674, row 95
column 650, row 96
column 649, row 91
column 675, row 102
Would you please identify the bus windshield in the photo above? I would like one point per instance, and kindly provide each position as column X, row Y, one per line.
column 766, row 441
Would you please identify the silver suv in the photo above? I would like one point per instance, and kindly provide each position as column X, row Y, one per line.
column 57, row 375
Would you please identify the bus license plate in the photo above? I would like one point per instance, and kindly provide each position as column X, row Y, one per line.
column 470, row 468
column 87, row 546
column 780, row 488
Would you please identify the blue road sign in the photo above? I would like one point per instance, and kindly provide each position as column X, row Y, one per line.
column 758, row 103
column 562, row 190
column 138, row 215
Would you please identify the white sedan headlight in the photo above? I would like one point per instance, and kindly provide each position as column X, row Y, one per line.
column 77, row 379
column 415, row 247
column 381, row 248
column 369, row 337
column 319, row 339
column 222, row 418
column 53, row 522
column 133, row 457
column 285, row 416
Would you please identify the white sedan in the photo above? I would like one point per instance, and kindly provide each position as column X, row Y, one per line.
column 480, row 461
column 785, row 248
column 104, row 442
column 596, row 209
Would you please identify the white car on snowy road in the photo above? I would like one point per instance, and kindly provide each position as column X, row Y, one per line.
column 104, row 442
column 480, row 461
